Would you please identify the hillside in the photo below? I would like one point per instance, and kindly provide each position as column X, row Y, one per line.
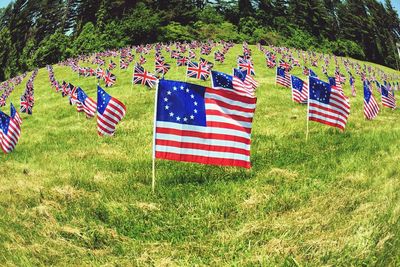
column 69, row 197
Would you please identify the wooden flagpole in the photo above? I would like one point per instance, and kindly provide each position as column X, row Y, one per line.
column 153, row 180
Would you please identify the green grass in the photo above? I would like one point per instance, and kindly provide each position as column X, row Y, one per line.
column 69, row 197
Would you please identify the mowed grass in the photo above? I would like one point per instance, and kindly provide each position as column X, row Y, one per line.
column 69, row 197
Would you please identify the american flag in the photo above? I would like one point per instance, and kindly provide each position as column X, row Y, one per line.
column 197, row 71
column 234, row 83
column 282, row 77
column 299, row 90
column 110, row 112
column 388, row 99
column 203, row 125
column 85, row 103
column 352, row 82
column 327, row 105
column 248, row 79
column 141, row 76
column 371, row 107
column 15, row 115
column 10, row 131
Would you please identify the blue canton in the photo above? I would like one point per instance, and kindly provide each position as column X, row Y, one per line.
column 319, row 90
column 221, row 79
column 297, row 83
column 102, row 100
column 181, row 102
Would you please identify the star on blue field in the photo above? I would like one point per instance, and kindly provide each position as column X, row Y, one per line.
column 181, row 102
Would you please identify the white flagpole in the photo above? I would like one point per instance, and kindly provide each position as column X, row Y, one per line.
column 153, row 180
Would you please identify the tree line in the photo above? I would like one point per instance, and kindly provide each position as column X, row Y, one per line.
column 34, row 33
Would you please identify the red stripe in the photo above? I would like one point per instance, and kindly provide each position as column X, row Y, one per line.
column 232, row 96
column 203, row 160
column 345, row 113
column 228, row 106
column 230, row 126
column 328, row 116
column 204, row 147
column 210, row 136
column 234, row 117
column 327, row 123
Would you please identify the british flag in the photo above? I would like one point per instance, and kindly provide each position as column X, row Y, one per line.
column 109, row 79
column 182, row 61
column 141, row 76
column 197, row 71
column 161, row 67
column 246, row 64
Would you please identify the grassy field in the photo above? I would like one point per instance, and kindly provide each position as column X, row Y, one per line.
column 69, row 197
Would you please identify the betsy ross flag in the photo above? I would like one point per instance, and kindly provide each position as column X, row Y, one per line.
column 110, row 111
column 299, row 90
column 371, row 107
column 233, row 83
column 388, row 99
column 85, row 103
column 282, row 77
column 203, row 125
column 10, row 131
column 327, row 105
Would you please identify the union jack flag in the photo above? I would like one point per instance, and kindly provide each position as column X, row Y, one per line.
column 141, row 76
column 197, row 71
column 245, row 64
column 182, row 61
column 109, row 79
column 162, row 67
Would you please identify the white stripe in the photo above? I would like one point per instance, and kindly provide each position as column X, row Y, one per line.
column 216, row 118
column 202, row 129
column 327, row 119
column 202, row 141
column 343, row 111
column 343, row 117
column 230, row 101
column 203, row 153
column 228, row 111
